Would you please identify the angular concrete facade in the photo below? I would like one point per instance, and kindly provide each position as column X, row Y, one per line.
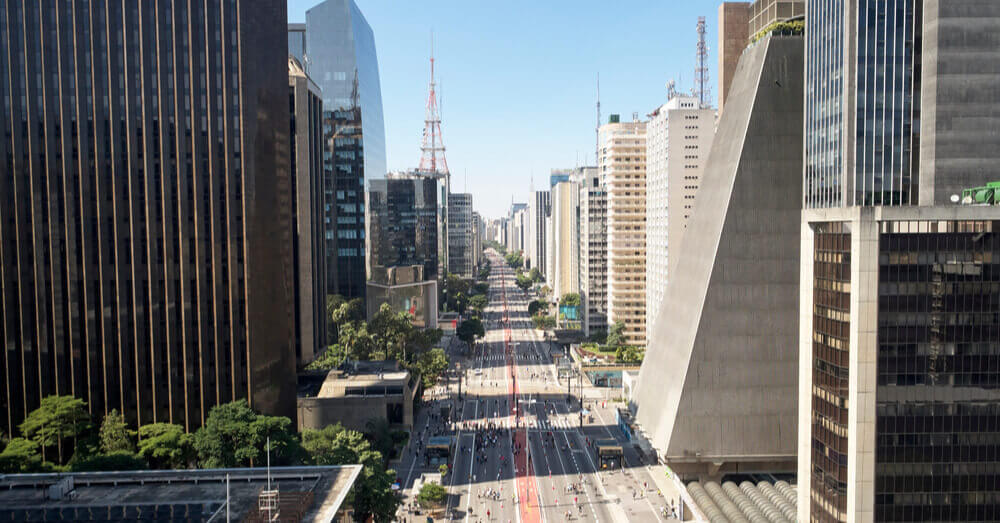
column 717, row 390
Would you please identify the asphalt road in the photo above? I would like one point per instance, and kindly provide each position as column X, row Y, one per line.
column 521, row 454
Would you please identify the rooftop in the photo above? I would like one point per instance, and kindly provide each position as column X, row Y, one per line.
column 312, row 493
column 746, row 501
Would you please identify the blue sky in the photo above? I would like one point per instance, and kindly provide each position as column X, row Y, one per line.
column 518, row 79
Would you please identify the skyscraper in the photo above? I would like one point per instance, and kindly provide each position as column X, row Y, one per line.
column 306, row 156
column 460, row 255
column 146, row 219
column 678, row 139
column 593, row 251
column 622, row 165
column 734, row 26
column 538, row 208
column 899, row 332
column 565, row 277
column 340, row 57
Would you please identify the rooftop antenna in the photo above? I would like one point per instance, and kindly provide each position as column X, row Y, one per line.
column 701, row 88
column 597, row 130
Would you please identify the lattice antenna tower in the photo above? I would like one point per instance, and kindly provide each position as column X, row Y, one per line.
column 702, row 90
column 432, row 158
column 597, row 130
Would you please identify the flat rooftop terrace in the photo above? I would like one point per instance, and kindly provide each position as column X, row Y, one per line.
column 308, row 493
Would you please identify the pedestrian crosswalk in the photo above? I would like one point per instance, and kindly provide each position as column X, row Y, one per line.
column 499, row 356
column 509, row 423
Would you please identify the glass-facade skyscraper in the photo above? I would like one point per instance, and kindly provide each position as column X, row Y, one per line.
column 863, row 60
column 339, row 55
column 145, row 236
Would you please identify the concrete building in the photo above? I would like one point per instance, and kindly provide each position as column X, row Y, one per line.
column 766, row 12
column 622, row 165
column 367, row 390
column 539, row 207
column 717, row 389
column 678, row 139
column 899, row 338
column 516, row 227
column 313, row 493
column 339, row 55
column 146, row 267
column 307, row 213
column 593, row 251
column 734, row 29
column 478, row 232
column 461, row 257
column 565, row 278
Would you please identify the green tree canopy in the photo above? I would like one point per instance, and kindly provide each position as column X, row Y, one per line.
column 469, row 330
column 329, row 359
column 544, row 322
column 430, row 365
column 166, row 446
column 535, row 275
column 349, row 311
column 115, row 434
column 616, row 336
column 235, row 436
column 389, row 331
column 431, row 495
column 22, row 456
column 628, row 355
column 478, row 303
column 514, row 259
column 523, row 282
column 56, row 419
column 357, row 342
column 118, row 460
column 537, row 307
column 570, row 299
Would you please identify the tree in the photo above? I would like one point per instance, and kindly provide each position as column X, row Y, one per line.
column 523, row 282
column 389, row 331
column 514, row 259
column 166, row 446
column 443, row 469
column 420, row 341
column 544, row 322
column 535, row 275
column 372, row 492
column 56, row 419
column 469, row 330
column 478, row 303
column 118, row 460
column 235, row 436
column 349, row 312
column 431, row 495
column 331, row 358
column 358, row 344
column 616, row 337
column 454, row 293
column 430, row 365
column 570, row 299
column 379, row 434
column 480, row 288
column 537, row 307
column 22, row 456
column 628, row 355
column 115, row 434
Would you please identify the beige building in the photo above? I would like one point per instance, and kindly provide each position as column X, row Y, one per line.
column 565, row 278
column 678, row 139
column 369, row 390
column 622, row 164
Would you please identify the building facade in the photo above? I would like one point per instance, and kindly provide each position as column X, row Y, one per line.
column 460, row 249
column 539, row 207
column 403, row 223
column 734, row 29
column 678, row 140
column 146, row 219
column 306, row 157
column 565, row 277
column 622, row 165
column 899, row 340
column 340, row 57
column 593, row 251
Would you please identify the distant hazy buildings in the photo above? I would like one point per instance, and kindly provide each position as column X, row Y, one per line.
column 593, row 251
column 678, row 139
column 517, row 217
column 478, row 233
column 339, row 55
column 460, row 241
column 622, row 165
column 717, row 390
column 146, row 245
column 539, row 207
column 307, row 213
column 899, row 331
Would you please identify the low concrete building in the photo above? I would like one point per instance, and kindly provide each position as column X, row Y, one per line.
column 297, row 494
column 366, row 390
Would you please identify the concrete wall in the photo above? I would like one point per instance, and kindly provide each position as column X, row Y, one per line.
column 734, row 22
column 352, row 412
column 717, row 390
column 960, row 116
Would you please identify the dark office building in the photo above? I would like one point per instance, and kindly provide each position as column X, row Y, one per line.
column 404, row 232
column 145, row 193
column 309, row 275
column 339, row 55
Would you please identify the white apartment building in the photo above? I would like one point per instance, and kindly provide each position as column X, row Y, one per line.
column 538, row 210
column 678, row 139
column 622, row 164
column 461, row 256
column 593, row 251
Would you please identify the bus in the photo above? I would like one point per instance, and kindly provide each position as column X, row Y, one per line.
column 609, row 454
column 439, row 450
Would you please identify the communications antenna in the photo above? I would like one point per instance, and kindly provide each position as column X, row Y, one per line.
column 701, row 88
